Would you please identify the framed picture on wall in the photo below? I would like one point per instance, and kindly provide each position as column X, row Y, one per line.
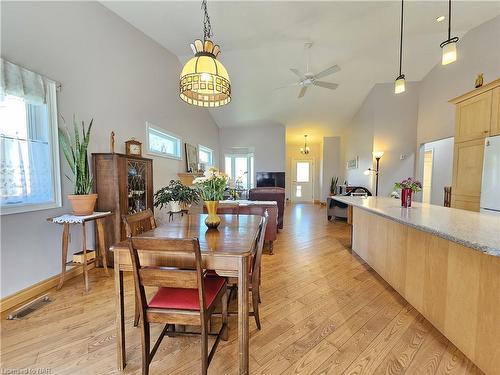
column 353, row 163
column 191, row 158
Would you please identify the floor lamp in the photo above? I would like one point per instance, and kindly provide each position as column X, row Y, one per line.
column 377, row 155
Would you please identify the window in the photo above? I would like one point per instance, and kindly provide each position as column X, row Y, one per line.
column 239, row 168
column 29, row 156
column 163, row 143
column 302, row 171
column 206, row 156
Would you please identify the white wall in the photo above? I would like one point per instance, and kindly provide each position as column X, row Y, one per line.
column 110, row 72
column 267, row 143
column 478, row 52
column 442, row 167
column 385, row 122
column 331, row 165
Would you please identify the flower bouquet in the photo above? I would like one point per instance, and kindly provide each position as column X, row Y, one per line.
column 211, row 187
column 408, row 187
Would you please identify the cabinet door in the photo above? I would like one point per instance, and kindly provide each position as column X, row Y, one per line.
column 468, row 168
column 495, row 112
column 473, row 119
column 465, row 202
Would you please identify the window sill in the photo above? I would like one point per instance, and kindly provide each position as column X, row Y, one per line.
column 166, row 156
column 24, row 208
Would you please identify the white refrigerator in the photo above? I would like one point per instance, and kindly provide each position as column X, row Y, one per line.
column 490, row 187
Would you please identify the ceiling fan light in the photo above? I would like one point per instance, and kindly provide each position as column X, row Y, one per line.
column 449, row 52
column 399, row 84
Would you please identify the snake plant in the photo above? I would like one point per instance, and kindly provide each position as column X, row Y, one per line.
column 75, row 152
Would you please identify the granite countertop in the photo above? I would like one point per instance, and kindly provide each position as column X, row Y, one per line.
column 476, row 230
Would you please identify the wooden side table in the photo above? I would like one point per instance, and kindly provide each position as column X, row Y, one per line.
column 68, row 219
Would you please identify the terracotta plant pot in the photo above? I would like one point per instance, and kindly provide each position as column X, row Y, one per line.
column 83, row 205
column 212, row 220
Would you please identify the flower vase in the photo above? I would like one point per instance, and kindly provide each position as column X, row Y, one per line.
column 212, row 220
column 406, row 197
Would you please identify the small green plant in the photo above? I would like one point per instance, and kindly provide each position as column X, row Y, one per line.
column 333, row 185
column 409, row 183
column 75, row 152
column 175, row 191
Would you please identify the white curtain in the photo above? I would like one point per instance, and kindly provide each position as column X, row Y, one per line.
column 20, row 82
column 26, row 172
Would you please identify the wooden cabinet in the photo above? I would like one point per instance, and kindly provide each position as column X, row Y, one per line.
column 477, row 117
column 495, row 112
column 473, row 118
column 124, row 184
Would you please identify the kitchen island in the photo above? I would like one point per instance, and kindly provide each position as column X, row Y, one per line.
column 445, row 262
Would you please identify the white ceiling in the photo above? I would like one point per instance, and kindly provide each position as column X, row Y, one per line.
column 261, row 40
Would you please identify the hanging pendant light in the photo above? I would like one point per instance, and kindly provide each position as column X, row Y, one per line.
column 204, row 81
column 449, row 46
column 399, row 85
column 305, row 150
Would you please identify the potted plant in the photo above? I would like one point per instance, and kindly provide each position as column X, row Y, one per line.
column 408, row 187
column 333, row 185
column 211, row 189
column 176, row 195
column 75, row 151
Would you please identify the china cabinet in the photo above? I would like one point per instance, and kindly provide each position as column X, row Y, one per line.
column 124, row 184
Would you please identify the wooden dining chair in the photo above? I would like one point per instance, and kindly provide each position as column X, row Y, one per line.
column 447, row 196
column 139, row 222
column 136, row 224
column 254, row 272
column 185, row 296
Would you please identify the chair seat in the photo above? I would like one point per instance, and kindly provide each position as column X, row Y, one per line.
column 187, row 299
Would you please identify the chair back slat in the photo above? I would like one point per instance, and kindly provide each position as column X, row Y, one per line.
column 259, row 248
column 190, row 277
column 139, row 222
column 173, row 278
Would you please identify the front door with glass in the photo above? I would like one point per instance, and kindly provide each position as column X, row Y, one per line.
column 302, row 181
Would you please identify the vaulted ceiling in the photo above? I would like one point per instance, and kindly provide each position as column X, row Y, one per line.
column 261, row 41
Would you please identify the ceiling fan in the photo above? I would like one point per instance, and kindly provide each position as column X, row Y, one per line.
column 309, row 79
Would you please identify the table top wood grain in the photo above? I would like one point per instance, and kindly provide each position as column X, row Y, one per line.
column 235, row 235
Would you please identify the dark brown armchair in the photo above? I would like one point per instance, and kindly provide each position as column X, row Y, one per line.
column 270, row 194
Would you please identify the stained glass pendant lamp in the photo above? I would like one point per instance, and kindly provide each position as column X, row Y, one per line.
column 399, row 84
column 449, row 46
column 204, row 81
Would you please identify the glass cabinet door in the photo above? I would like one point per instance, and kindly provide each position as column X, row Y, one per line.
column 136, row 185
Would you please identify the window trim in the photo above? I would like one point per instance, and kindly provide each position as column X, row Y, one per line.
column 168, row 133
column 56, row 164
column 206, row 149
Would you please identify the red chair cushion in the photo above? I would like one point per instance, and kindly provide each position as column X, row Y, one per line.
column 187, row 299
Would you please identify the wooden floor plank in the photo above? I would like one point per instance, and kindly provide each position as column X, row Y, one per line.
column 323, row 311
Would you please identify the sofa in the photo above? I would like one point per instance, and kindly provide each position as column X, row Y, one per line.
column 246, row 207
column 275, row 194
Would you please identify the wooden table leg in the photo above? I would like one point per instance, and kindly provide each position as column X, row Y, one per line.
column 64, row 254
column 243, row 332
column 120, row 317
column 84, row 264
column 102, row 244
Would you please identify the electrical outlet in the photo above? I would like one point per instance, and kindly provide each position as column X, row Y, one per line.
column 403, row 156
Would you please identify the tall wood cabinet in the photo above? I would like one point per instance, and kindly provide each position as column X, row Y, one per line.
column 477, row 117
column 124, row 184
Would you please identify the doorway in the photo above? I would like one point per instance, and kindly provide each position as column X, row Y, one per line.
column 302, row 181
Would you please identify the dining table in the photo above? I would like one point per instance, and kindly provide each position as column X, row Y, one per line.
column 227, row 250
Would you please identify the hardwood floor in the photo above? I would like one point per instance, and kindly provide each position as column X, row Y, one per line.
column 323, row 312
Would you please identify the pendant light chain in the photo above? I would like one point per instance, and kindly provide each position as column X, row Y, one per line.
column 449, row 19
column 207, row 27
column 401, row 39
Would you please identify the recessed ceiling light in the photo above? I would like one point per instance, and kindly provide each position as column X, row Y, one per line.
column 440, row 18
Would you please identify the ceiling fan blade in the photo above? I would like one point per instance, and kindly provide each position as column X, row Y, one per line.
column 297, row 73
column 302, row 91
column 328, row 71
column 326, row 85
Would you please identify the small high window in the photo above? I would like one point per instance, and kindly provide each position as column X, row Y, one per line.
column 163, row 143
